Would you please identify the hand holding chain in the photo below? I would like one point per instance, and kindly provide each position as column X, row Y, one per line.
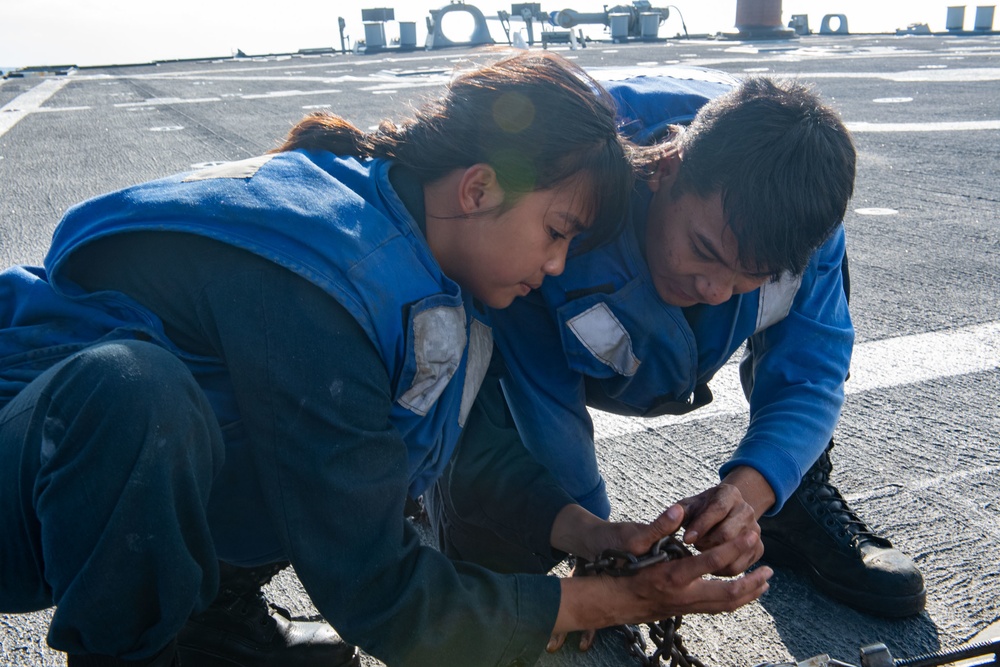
column 663, row 634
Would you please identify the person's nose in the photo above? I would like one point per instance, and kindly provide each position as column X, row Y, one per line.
column 556, row 262
column 716, row 288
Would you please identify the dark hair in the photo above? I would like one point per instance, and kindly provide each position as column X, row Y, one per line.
column 535, row 118
column 784, row 163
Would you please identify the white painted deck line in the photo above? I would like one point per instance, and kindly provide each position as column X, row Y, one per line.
column 164, row 101
column 946, row 75
column 946, row 126
column 875, row 365
column 25, row 103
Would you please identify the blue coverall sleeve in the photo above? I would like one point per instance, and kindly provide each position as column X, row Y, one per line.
column 548, row 401
column 796, row 385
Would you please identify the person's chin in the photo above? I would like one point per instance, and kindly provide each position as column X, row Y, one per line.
column 499, row 301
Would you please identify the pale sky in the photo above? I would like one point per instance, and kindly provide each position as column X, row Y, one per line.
column 101, row 32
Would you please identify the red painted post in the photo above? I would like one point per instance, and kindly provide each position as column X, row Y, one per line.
column 760, row 19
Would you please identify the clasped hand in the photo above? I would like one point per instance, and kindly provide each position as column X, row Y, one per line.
column 717, row 522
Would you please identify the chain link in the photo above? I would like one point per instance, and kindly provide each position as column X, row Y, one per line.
column 663, row 634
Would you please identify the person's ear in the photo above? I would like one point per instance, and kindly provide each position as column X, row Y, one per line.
column 479, row 190
column 665, row 175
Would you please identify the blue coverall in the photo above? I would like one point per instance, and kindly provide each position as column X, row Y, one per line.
column 599, row 335
column 256, row 362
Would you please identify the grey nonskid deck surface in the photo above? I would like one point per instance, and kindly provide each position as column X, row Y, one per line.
column 917, row 451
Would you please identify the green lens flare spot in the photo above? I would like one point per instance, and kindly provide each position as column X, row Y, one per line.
column 514, row 112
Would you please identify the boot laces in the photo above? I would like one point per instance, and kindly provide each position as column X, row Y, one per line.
column 831, row 507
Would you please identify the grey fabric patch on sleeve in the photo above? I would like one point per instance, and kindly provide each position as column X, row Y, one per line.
column 775, row 300
column 480, row 352
column 240, row 169
column 606, row 338
column 439, row 340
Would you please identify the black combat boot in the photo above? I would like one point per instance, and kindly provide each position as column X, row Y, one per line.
column 239, row 630
column 818, row 533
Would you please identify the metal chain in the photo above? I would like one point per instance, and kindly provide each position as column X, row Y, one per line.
column 663, row 634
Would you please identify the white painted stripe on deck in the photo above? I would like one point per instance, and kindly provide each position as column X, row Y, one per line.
column 165, row 101
column 949, row 75
column 955, row 126
column 924, row 357
column 59, row 109
column 290, row 93
column 875, row 365
column 28, row 101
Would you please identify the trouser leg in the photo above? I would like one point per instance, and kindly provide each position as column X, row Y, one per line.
column 461, row 538
column 106, row 465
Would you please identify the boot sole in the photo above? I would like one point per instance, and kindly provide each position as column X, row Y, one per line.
column 780, row 553
column 197, row 658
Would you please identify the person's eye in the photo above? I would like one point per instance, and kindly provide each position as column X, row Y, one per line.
column 699, row 253
column 555, row 234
